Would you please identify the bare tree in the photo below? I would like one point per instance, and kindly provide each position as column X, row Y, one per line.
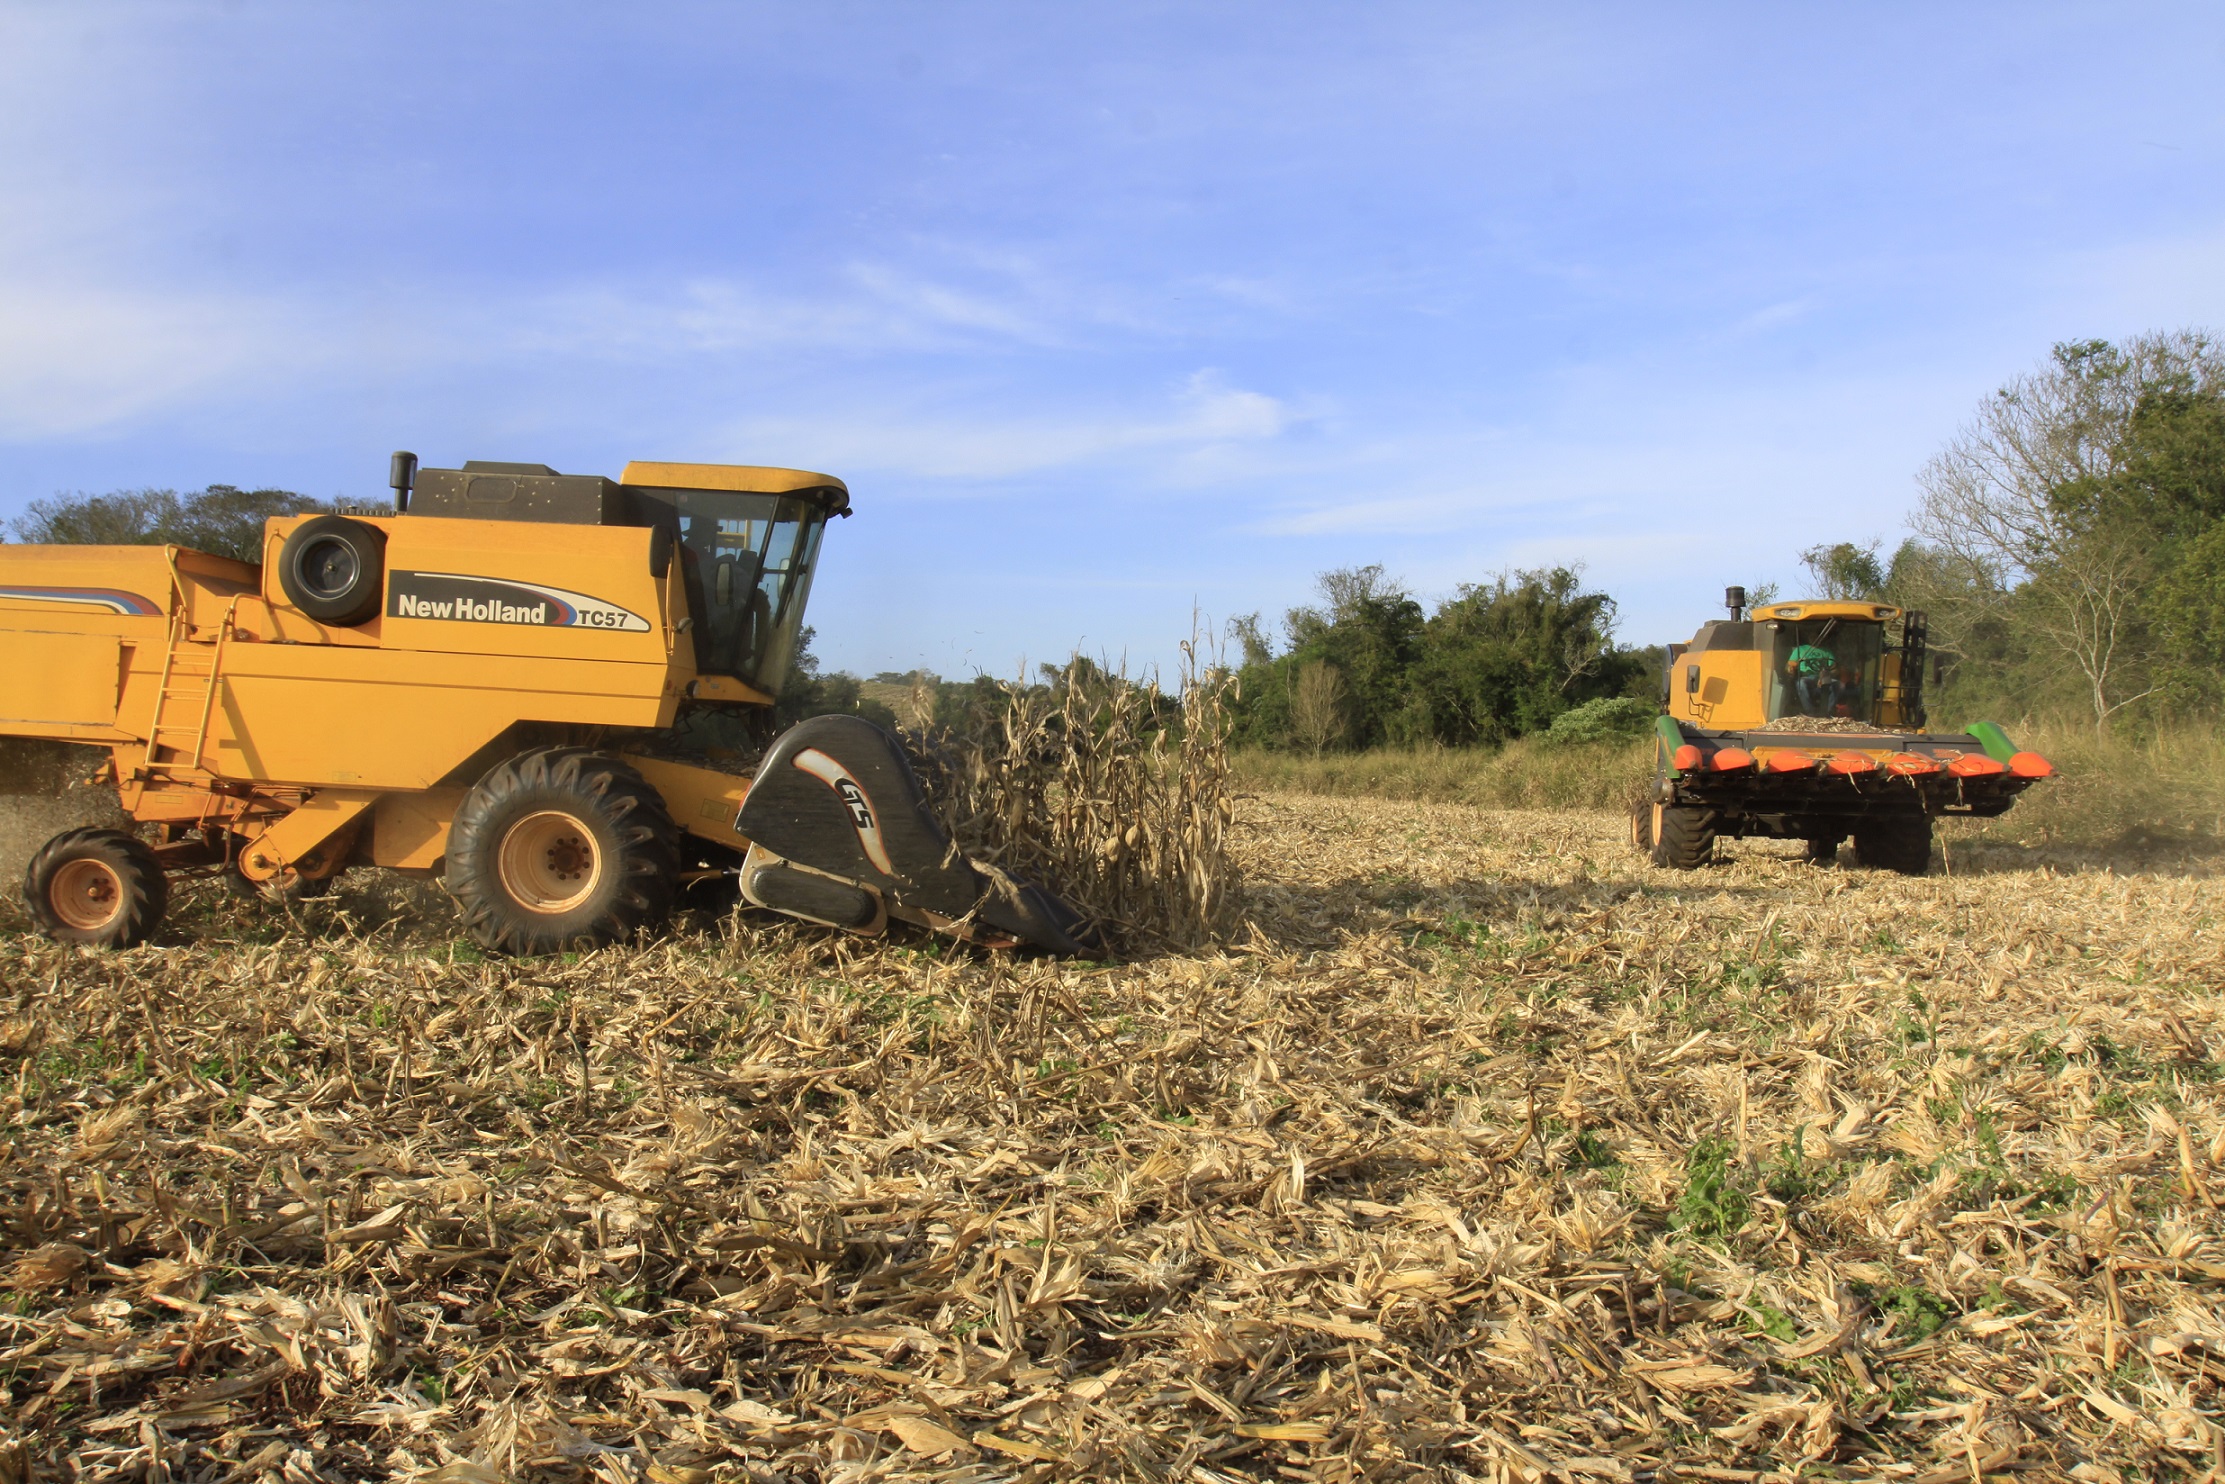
column 1317, row 706
column 2090, row 608
column 1346, row 593
column 2002, row 503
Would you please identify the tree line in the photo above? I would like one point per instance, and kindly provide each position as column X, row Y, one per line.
column 1365, row 666
column 2069, row 541
column 222, row 520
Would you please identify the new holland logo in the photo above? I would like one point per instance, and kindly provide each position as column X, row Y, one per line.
column 462, row 599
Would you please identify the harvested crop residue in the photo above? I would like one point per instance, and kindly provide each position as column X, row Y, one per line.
column 1491, row 1153
column 1816, row 726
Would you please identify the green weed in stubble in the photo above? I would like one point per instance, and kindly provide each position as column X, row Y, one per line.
column 1590, row 1151
column 1713, row 1202
column 1921, row 1313
column 1768, row 1319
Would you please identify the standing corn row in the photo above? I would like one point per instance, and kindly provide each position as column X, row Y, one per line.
column 1111, row 792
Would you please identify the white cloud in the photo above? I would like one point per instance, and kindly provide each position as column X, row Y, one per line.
column 78, row 356
column 1203, row 414
column 75, row 359
column 1774, row 316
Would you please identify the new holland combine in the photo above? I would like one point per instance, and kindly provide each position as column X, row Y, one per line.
column 553, row 691
column 1806, row 722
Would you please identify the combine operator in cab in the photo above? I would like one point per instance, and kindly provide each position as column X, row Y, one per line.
column 1806, row 722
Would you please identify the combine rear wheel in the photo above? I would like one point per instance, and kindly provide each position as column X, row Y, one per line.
column 1821, row 850
column 1683, row 836
column 1902, row 845
column 96, row 886
column 561, row 847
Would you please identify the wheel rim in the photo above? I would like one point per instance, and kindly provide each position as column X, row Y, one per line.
column 549, row 862
column 87, row 895
column 329, row 568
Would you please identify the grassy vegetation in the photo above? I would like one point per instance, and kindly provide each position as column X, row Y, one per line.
column 2134, row 793
column 2128, row 799
column 1528, row 773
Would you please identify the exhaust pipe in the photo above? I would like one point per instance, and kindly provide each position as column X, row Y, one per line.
column 401, row 477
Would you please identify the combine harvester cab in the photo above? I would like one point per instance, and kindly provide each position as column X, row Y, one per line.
column 1806, row 722
column 553, row 691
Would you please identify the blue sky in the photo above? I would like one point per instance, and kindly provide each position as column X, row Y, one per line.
column 1106, row 311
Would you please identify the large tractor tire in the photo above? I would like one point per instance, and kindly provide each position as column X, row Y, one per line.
column 101, row 887
column 1902, row 845
column 1683, row 836
column 1641, row 825
column 334, row 569
column 1821, row 850
column 558, row 848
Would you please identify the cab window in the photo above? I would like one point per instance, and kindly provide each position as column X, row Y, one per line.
column 1824, row 667
column 746, row 562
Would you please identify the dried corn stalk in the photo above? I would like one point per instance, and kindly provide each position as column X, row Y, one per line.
column 1108, row 790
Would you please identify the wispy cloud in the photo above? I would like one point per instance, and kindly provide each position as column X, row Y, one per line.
column 1203, row 413
column 1774, row 316
column 80, row 356
column 75, row 359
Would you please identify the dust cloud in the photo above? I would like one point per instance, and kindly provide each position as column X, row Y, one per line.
column 42, row 793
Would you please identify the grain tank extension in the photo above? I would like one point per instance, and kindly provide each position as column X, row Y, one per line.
column 553, row 691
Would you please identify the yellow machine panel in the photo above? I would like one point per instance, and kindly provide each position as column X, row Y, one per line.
column 1721, row 688
column 380, row 720
column 67, row 679
column 564, row 592
column 703, row 801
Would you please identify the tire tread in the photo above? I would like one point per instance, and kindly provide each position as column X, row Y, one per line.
column 1687, row 839
column 647, row 858
column 144, row 881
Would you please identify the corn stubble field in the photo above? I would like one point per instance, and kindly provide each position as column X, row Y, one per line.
column 1478, row 1148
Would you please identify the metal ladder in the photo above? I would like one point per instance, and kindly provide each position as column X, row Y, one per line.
column 185, row 700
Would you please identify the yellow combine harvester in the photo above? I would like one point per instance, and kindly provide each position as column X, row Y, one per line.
column 1806, row 722
column 554, row 691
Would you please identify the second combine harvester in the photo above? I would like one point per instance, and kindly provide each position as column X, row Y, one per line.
column 1806, row 722
column 546, row 688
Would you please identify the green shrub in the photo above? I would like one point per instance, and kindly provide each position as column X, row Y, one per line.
column 1607, row 719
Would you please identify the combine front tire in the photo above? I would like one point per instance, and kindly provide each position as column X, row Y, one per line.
column 1683, row 837
column 560, row 847
column 1902, row 845
column 101, row 887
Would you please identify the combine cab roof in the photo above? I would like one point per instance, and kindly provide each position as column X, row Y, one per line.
column 748, row 478
column 1814, row 608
